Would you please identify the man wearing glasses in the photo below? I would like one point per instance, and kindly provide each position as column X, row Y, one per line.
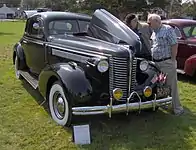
column 164, row 50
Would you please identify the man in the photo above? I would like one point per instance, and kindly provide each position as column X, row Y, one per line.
column 142, row 30
column 146, row 33
column 164, row 50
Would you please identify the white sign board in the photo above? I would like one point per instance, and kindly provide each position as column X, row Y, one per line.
column 81, row 134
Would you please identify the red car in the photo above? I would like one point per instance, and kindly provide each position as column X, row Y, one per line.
column 186, row 32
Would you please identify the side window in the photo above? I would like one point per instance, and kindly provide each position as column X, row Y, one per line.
column 194, row 31
column 187, row 31
column 177, row 31
column 83, row 25
column 35, row 28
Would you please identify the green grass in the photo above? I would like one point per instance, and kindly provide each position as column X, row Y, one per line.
column 25, row 124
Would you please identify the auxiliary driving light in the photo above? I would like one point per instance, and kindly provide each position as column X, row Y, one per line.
column 147, row 91
column 117, row 93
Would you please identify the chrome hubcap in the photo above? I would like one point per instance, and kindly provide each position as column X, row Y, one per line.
column 59, row 105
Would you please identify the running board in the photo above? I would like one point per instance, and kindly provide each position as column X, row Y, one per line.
column 180, row 71
column 30, row 79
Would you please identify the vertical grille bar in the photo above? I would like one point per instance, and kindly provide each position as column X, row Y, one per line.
column 133, row 74
column 111, row 77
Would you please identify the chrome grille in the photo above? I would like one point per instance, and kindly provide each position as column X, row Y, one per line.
column 119, row 71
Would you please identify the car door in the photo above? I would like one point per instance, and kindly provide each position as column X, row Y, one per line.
column 182, row 47
column 190, row 32
column 33, row 45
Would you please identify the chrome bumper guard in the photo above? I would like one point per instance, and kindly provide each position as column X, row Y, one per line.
column 95, row 110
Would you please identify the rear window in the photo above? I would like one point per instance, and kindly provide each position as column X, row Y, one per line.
column 63, row 27
column 68, row 26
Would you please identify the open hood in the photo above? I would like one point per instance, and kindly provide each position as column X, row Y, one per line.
column 107, row 27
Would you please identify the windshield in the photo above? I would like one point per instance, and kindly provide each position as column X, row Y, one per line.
column 190, row 31
column 67, row 26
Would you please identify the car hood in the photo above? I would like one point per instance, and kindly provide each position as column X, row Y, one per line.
column 87, row 43
column 107, row 27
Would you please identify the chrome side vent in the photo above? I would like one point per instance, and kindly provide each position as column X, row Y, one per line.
column 118, row 75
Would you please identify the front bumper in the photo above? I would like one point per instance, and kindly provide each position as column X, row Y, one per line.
column 109, row 109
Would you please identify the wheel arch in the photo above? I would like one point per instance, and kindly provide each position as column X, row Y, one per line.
column 18, row 51
column 50, row 82
column 190, row 65
column 73, row 80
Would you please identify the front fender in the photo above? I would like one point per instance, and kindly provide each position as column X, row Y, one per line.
column 190, row 65
column 73, row 79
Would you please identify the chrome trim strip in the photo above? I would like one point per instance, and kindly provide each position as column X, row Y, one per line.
column 77, row 52
column 191, row 44
column 69, row 55
column 39, row 42
column 130, row 72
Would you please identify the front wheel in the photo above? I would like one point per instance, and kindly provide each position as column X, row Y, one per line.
column 59, row 105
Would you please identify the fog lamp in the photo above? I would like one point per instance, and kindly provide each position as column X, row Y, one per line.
column 147, row 91
column 117, row 93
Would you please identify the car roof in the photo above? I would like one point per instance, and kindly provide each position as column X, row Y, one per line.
column 180, row 22
column 51, row 15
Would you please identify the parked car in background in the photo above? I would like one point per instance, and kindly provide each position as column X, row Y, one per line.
column 185, row 30
column 85, row 65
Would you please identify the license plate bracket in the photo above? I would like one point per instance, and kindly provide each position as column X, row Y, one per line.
column 163, row 91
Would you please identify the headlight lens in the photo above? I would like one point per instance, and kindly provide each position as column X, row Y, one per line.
column 144, row 65
column 102, row 66
column 117, row 93
column 147, row 91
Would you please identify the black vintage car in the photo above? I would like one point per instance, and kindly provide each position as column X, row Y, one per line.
column 86, row 65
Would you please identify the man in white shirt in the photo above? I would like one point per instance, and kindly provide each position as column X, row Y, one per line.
column 164, row 50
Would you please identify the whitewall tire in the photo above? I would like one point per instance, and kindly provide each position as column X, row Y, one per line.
column 59, row 105
column 17, row 72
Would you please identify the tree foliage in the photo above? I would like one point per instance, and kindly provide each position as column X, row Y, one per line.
column 116, row 7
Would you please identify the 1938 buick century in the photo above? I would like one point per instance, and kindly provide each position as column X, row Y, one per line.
column 85, row 65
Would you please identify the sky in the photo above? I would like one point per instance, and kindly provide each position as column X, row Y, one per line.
column 186, row 1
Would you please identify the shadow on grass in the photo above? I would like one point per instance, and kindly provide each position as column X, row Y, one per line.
column 35, row 94
column 155, row 130
column 6, row 33
column 188, row 79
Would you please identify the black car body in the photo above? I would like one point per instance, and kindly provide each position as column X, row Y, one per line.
column 86, row 65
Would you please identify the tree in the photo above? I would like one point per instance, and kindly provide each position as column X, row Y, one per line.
column 190, row 8
column 11, row 3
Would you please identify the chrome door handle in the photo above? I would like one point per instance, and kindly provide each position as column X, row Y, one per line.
column 191, row 45
column 25, row 42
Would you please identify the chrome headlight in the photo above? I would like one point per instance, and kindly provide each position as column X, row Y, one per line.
column 144, row 65
column 102, row 66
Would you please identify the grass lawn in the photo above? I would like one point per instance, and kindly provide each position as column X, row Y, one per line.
column 25, row 124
